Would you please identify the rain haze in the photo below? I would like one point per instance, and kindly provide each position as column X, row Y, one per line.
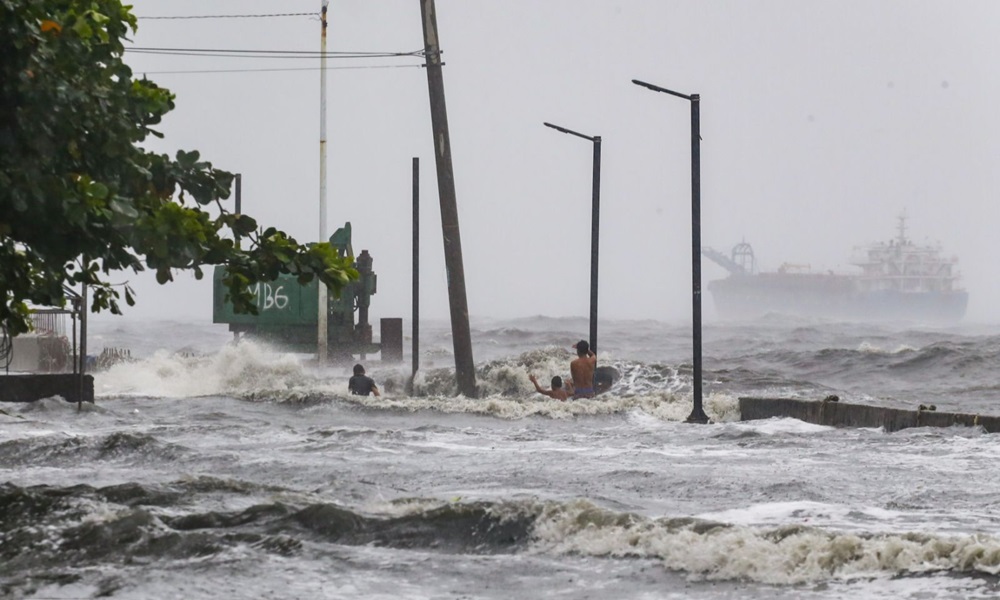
column 821, row 123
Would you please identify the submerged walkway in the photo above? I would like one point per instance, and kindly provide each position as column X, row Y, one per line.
column 31, row 387
column 840, row 414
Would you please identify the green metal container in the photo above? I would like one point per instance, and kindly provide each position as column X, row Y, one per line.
column 288, row 315
column 281, row 302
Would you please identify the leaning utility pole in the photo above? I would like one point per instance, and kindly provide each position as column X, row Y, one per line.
column 465, row 368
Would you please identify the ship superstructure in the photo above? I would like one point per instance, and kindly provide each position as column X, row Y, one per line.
column 898, row 280
column 903, row 266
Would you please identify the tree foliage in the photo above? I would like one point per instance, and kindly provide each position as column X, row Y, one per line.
column 80, row 199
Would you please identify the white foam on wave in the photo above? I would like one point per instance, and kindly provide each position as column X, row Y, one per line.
column 509, row 375
column 662, row 406
column 255, row 371
column 837, row 516
column 784, row 555
column 403, row 507
column 506, row 391
column 867, row 347
column 235, row 370
column 780, row 426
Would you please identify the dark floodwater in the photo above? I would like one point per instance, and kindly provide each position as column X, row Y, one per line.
column 207, row 470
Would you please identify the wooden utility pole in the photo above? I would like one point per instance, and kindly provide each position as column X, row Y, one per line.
column 465, row 368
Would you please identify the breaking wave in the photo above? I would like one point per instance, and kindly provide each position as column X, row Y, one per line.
column 783, row 555
column 255, row 372
column 118, row 446
column 46, row 527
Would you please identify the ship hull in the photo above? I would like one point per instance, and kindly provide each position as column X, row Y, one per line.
column 830, row 296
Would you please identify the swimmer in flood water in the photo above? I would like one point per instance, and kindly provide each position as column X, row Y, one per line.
column 558, row 392
column 360, row 384
column 582, row 369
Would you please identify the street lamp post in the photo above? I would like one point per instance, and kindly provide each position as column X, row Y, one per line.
column 698, row 412
column 323, row 307
column 595, row 225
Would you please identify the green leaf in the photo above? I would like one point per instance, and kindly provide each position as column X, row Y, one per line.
column 244, row 225
column 83, row 29
column 126, row 209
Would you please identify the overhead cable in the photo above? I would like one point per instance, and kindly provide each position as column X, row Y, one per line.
column 277, row 69
column 241, row 53
column 312, row 14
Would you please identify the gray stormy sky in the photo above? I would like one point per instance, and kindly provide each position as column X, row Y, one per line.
column 821, row 122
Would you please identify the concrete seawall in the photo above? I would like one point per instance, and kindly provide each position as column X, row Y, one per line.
column 28, row 388
column 841, row 414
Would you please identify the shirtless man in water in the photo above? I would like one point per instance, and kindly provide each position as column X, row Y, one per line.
column 558, row 392
column 582, row 369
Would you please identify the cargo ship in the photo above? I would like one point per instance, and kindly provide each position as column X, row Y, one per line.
column 895, row 281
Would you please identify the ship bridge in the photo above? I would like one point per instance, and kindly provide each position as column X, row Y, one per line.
column 904, row 266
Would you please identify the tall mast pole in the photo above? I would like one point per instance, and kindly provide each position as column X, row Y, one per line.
column 595, row 230
column 416, row 269
column 698, row 411
column 321, row 322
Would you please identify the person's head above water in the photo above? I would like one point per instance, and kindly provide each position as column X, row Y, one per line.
column 359, row 370
column 582, row 348
column 556, row 382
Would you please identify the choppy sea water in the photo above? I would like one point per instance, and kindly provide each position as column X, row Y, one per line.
column 212, row 470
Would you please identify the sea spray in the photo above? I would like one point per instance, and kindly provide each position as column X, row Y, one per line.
column 234, row 370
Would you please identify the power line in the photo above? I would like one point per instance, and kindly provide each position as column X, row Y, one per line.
column 278, row 69
column 277, row 52
column 257, row 16
column 239, row 53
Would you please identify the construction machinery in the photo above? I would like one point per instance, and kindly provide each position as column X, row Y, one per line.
column 288, row 312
